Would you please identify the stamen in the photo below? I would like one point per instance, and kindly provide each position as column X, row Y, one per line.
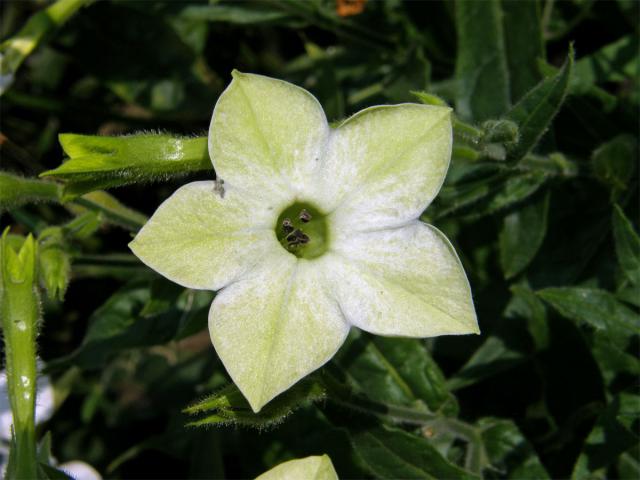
column 297, row 238
column 287, row 225
column 305, row 216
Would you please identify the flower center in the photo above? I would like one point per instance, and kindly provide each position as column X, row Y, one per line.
column 302, row 231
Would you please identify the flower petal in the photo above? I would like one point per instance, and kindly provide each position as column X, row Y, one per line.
column 275, row 326
column 384, row 165
column 406, row 281
column 203, row 239
column 309, row 468
column 267, row 134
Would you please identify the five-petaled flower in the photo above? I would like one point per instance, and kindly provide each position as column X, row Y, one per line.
column 314, row 230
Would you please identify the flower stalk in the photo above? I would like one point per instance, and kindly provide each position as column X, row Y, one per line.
column 20, row 311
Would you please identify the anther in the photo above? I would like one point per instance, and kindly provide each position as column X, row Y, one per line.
column 287, row 226
column 305, row 216
column 297, row 238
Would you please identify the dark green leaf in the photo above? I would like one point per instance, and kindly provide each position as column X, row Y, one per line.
column 515, row 189
column 627, row 246
column 615, row 355
column 481, row 65
column 508, row 450
column 392, row 453
column 109, row 209
column 493, row 356
column 51, row 473
column 524, row 44
column 119, row 325
column 525, row 304
column 615, row 62
column 613, row 434
column 522, row 234
column 629, row 463
column 395, row 371
column 615, row 161
column 597, row 308
column 534, row 112
column 163, row 295
column 629, row 295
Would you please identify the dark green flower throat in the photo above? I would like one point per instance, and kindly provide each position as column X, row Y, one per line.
column 302, row 231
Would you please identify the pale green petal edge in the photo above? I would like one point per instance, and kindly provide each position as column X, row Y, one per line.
column 292, row 169
column 401, row 186
column 363, row 306
column 275, row 326
column 203, row 239
column 445, row 111
column 309, row 468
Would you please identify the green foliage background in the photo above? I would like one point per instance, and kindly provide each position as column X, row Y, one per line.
column 541, row 202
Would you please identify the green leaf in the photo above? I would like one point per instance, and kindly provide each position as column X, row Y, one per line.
column 109, row 209
column 163, row 295
column 614, row 433
column 534, row 112
column 513, row 190
column 615, row 355
column 524, row 44
column 629, row 463
column 118, row 325
column 44, row 449
column 493, row 356
column 616, row 62
column 229, row 407
column 629, row 295
column 615, row 161
column 16, row 191
column 627, row 246
column 522, row 234
column 97, row 162
column 499, row 44
column 51, row 473
column 481, row 64
column 396, row 371
column 508, row 450
column 525, row 304
column 392, row 453
column 485, row 189
column 596, row 308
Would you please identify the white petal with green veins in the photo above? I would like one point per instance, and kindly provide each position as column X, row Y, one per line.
column 406, row 281
column 276, row 325
column 384, row 165
column 309, row 468
column 201, row 238
column 266, row 133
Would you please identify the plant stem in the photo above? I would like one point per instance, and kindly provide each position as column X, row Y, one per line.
column 19, row 307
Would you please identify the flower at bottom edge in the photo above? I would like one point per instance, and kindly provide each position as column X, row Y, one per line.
column 314, row 230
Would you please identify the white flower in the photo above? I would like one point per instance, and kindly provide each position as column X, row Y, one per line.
column 312, row 468
column 291, row 287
